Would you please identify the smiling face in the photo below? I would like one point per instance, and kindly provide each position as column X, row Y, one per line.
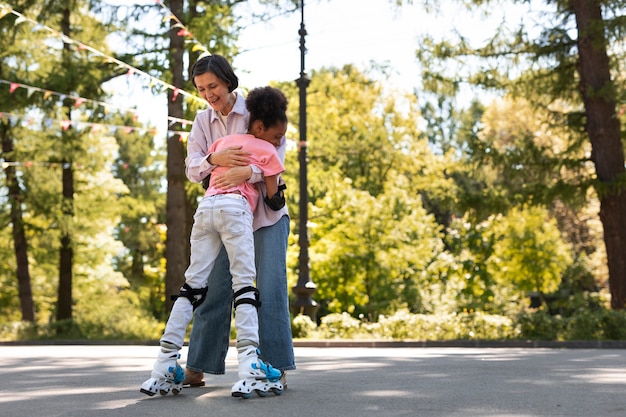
column 273, row 134
column 215, row 91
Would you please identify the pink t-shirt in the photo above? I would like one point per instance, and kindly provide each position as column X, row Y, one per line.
column 263, row 155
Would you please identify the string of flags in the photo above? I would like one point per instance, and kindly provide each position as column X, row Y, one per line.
column 5, row 10
column 65, row 124
column 29, row 164
column 78, row 101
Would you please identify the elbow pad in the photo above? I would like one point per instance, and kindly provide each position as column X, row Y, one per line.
column 278, row 200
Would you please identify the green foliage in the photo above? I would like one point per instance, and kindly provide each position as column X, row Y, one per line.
column 539, row 326
column 368, row 251
column 403, row 325
column 528, row 251
column 599, row 324
column 438, row 234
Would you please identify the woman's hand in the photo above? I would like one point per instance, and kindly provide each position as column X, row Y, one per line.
column 232, row 178
column 230, row 157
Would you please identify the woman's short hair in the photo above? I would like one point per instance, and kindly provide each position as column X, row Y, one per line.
column 217, row 65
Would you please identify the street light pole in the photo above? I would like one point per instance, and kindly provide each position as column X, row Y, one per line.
column 305, row 288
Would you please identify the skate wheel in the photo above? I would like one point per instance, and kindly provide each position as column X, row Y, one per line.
column 262, row 393
column 277, row 391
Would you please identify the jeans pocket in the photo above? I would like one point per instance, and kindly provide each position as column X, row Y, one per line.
column 236, row 220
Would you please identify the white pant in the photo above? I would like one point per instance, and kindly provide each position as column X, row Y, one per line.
column 221, row 219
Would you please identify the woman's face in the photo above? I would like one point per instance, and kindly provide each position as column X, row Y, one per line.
column 215, row 92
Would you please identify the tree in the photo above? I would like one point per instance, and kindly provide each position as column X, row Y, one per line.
column 371, row 240
column 16, row 103
column 540, row 66
column 528, row 254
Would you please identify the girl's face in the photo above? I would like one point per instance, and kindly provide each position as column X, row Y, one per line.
column 215, row 92
column 273, row 134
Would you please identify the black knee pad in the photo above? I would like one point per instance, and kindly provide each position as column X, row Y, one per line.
column 254, row 301
column 195, row 296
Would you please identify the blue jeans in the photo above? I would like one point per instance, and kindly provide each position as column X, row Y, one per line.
column 210, row 335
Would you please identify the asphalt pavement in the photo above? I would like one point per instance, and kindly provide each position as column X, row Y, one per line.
column 103, row 381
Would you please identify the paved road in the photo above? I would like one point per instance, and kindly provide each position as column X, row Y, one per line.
column 102, row 381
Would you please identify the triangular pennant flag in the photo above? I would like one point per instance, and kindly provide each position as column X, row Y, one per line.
column 176, row 91
column 13, row 87
column 4, row 11
column 65, row 124
column 66, row 39
column 47, row 94
column 198, row 47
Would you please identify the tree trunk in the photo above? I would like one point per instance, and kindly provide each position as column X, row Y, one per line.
column 66, row 253
column 177, row 237
column 19, row 236
column 603, row 128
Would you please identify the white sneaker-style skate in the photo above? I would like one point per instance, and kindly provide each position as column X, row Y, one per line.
column 255, row 376
column 167, row 375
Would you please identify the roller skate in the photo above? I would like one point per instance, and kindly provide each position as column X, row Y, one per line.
column 255, row 375
column 167, row 376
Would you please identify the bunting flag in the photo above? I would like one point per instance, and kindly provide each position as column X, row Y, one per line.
column 182, row 30
column 182, row 135
column 5, row 9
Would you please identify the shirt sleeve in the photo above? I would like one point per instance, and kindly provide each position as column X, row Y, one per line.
column 257, row 173
column 196, row 165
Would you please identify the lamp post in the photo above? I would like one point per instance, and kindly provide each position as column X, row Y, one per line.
column 305, row 288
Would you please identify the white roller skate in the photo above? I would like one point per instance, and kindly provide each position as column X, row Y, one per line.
column 167, row 376
column 255, row 375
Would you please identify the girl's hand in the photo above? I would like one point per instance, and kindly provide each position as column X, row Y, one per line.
column 232, row 178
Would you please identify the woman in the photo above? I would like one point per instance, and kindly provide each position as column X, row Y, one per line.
column 216, row 83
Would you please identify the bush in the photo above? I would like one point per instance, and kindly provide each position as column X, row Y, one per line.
column 614, row 324
column 540, row 326
column 339, row 326
column 302, row 326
